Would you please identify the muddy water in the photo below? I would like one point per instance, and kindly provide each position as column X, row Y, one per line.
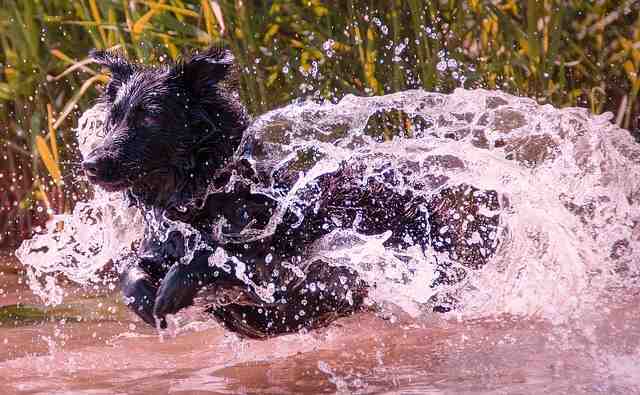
column 115, row 353
column 554, row 311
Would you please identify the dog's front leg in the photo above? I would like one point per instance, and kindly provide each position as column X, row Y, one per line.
column 139, row 290
column 145, row 270
column 183, row 281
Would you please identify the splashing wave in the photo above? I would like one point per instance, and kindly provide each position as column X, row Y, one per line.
column 567, row 184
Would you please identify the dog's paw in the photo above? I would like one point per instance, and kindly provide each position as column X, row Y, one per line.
column 178, row 289
column 140, row 295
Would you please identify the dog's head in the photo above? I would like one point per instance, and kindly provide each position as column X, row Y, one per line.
column 163, row 120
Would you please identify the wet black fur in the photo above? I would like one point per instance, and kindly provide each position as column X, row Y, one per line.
column 170, row 136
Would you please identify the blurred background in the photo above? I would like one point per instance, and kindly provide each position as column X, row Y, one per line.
column 562, row 52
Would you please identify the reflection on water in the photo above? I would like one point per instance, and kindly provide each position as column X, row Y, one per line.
column 115, row 353
column 362, row 354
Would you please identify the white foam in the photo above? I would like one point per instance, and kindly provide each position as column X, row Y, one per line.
column 567, row 183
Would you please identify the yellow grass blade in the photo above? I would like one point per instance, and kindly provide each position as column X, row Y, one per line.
column 141, row 23
column 174, row 9
column 173, row 50
column 47, row 159
column 60, row 55
column 79, row 65
column 6, row 92
column 271, row 31
column 127, row 15
column 52, row 133
column 217, row 11
column 630, row 68
column 208, row 17
column 95, row 12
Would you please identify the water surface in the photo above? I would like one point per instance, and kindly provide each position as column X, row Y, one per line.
column 555, row 310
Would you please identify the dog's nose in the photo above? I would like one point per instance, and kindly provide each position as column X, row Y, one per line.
column 90, row 167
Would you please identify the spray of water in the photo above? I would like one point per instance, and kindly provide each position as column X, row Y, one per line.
column 567, row 185
column 80, row 245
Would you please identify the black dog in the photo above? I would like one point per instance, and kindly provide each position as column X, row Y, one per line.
column 170, row 136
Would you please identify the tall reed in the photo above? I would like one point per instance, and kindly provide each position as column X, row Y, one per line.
column 561, row 52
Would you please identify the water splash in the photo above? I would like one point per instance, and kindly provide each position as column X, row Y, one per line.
column 567, row 184
column 82, row 244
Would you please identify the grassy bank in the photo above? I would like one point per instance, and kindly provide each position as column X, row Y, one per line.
column 558, row 51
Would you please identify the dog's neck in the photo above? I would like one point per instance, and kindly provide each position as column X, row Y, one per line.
column 180, row 191
column 173, row 188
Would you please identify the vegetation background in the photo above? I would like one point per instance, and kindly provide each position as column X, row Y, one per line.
column 564, row 52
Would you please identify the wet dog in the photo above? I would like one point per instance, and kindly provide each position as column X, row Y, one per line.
column 171, row 134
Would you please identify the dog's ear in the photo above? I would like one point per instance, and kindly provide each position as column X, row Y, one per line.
column 202, row 71
column 118, row 65
column 121, row 69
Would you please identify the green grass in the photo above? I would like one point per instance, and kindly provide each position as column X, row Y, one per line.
column 564, row 52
